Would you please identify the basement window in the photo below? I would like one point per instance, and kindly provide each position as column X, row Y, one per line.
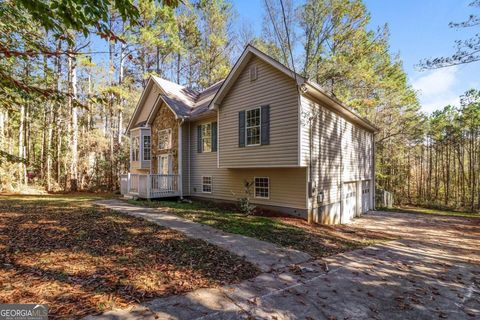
column 262, row 187
column 207, row 184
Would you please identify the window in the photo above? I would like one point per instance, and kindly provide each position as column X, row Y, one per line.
column 135, row 148
column 165, row 164
column 207, row 137
column 262, row 187
column 252, row 126
column 165, row 139
column 146, row 147
column 207, row 184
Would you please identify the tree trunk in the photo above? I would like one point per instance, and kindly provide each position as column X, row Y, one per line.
column 72, row 76
column 22, row 170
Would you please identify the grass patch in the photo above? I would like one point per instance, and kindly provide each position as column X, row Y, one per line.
column 81, row 259
column 438, row 212
column 317, row 240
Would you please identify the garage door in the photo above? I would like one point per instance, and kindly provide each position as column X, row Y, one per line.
column 349, row 202
column 366, row 196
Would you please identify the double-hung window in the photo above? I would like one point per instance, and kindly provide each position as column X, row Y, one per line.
column 146, row 147
column 207, row 184
column 262, row 187
column 206, row 137
column 252, row 126
column 165, row 139
column 135, row 148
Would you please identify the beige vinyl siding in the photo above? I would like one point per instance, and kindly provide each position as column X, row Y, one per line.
column 273, row 88
column 148, row 104
column 287, row 185
column 342, row 151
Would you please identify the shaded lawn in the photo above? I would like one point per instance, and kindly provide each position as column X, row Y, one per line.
column 80, row 259
column 437, row 212
column 317, row 240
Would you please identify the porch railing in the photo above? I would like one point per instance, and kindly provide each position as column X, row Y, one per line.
column 150, row 185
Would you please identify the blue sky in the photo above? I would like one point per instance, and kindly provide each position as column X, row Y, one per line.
column 418, row 29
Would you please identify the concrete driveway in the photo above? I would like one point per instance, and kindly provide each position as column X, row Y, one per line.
column 432, row 272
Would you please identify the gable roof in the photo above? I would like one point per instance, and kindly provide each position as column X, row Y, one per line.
column 184, row 102
column 187, row 103
column 305, row 85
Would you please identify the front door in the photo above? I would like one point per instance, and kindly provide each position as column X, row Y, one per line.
column 165, row 170
column 165, row 164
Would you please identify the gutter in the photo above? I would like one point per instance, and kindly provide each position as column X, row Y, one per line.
column 313, row 88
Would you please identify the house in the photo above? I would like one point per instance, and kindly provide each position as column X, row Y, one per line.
column 299, row 147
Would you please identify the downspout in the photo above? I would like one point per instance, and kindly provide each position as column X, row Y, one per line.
column 189, row 159
column 373, row 187
column 302, row 89
column 180, row 157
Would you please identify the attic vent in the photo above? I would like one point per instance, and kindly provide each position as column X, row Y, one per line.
column 253, row 73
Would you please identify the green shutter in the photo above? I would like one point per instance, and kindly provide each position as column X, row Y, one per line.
column 214, row 136
column 199, row 139
column 241, row 129
column 265, row 139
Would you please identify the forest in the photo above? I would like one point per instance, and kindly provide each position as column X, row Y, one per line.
column 71, row 73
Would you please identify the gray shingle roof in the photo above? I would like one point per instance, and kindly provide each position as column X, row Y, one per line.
column 186, row 102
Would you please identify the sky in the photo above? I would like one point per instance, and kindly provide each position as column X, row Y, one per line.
column 418, row 30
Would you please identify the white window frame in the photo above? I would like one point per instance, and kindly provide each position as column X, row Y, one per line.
column 259, row 127
column 255, row 187
column 206, row 137
column 169, row 163
column 169, row 138
column 207, row 184
column 143, row 148
column 136, row 148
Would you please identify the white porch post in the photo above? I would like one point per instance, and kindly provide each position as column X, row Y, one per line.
column 149, row 186
column 180, row 159
column 128, row 183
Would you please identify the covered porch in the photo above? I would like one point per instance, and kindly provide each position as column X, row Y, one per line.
column 150, row 186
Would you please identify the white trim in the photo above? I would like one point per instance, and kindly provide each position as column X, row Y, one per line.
column 189, row 159
column 180, row 158
column 247, row 53
column 301, row 81
column 156, row 106
column 143, row 147
column 300, row 127
column 169, row 138
column 201, row 129
column 255, row 188
column 263, row 166
column 218, row 139
column 259, row 127
column 211, row 184
column 169, row 163
column 336, row 105
column 132, row 147
column 138, row 105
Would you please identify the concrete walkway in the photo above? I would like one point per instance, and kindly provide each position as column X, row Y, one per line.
column 265, row 255
column 433, row 273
